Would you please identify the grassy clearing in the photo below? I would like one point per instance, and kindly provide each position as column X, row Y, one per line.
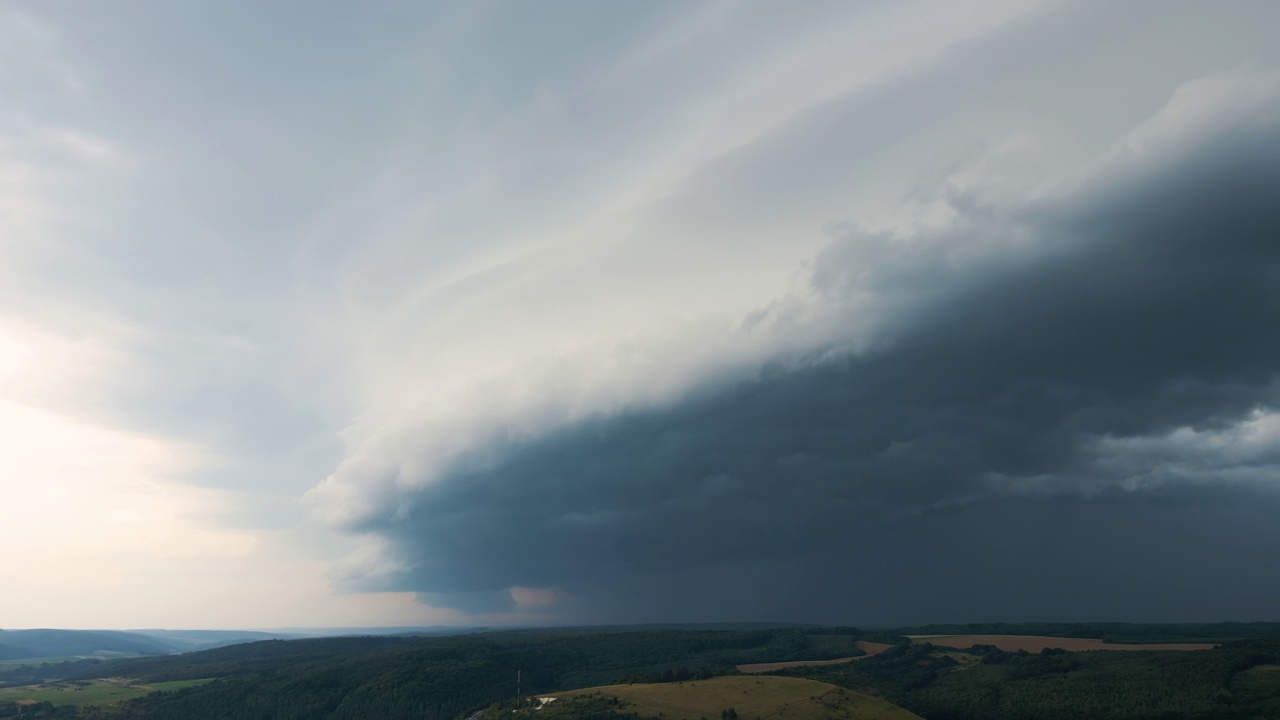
column 752, row 698
column 1260, row 681
column 108, row 691
column 35, row 662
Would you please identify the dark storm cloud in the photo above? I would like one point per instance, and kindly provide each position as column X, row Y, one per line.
column 972, row 467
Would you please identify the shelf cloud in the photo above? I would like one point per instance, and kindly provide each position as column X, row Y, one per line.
column 1104, row 354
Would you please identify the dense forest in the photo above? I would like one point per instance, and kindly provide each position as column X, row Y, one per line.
column 446, row 678
column 1239, row 680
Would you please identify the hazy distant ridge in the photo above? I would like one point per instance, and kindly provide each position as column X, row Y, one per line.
column 49, row 643
column 25, row 644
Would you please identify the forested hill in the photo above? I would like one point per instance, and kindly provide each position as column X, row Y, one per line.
column 449, row 678
column 1239, row 680
column 436, row 678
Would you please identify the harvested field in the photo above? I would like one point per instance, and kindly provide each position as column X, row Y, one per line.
column 762, row 698
column 870, row 648
column 1036, row 643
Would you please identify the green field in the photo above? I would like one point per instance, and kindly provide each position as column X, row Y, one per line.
column 55, row 659
column 1260, row 685
column 751, row 698
column 51, row 660
column 106, row 691
column 33, row 662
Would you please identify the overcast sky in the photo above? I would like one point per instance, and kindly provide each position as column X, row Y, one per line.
column 572, row 312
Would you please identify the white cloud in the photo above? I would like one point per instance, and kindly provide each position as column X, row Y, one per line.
column 1244, row 453
column 1198, row 109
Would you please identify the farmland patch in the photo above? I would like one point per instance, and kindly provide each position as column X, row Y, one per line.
column 106, row 691
column 1037, row 643
column 750, row 698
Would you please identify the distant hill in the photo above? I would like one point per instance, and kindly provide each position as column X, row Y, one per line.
column 48, row 644
column 35, row 644
column 43, row 645
column 189, row 640
column 378, row 631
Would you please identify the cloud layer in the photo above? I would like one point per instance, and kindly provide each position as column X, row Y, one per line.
column 660, row 311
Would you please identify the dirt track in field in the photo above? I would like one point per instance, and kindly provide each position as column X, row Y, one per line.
column 1036, row 643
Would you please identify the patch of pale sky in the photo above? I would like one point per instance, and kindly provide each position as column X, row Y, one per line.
column 735, row 110
column 102, row 532
column 507, row 293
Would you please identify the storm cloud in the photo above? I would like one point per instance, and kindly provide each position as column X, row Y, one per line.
column 1081, row 424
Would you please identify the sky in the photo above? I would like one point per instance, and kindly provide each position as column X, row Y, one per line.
column 406, row 313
